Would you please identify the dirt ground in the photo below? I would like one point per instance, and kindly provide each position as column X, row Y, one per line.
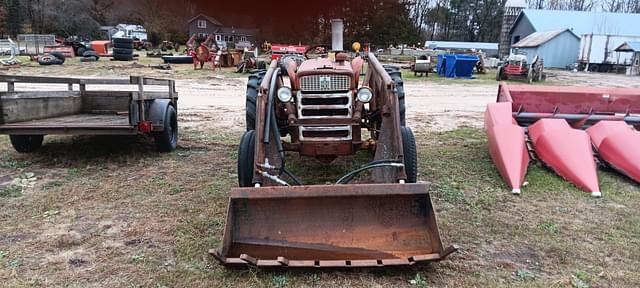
column 110, row 212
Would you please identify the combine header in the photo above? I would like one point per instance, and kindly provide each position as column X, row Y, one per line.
column 326, row 112
column 563, row 127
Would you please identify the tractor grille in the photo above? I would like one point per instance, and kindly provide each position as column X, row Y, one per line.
column 319, row 83
column 329, row 105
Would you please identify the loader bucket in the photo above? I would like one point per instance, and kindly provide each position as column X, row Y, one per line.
column 331, row 226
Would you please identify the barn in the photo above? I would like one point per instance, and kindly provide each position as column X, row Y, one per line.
column 557, row 48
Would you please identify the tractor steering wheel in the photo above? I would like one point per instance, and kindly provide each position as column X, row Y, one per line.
column 321, row 50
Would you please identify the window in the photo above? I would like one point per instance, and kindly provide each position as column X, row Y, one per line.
column 637, row 60
column 243, row 38
column 228, row 38
column 202, row 24
column 218, row 38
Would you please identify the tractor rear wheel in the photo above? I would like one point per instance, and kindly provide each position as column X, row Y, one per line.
column 410, row 154
column 246, row 152
column 396, row 76
column 252, row 94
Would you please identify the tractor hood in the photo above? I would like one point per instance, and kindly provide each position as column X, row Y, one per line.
column 324, row 66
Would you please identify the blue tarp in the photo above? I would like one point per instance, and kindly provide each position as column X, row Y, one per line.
column 456, row 65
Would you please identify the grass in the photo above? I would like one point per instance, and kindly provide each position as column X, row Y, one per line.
column 114, row 213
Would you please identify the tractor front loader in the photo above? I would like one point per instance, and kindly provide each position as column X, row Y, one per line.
column 327, row 111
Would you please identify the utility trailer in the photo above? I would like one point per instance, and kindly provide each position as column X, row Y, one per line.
column 36, row 106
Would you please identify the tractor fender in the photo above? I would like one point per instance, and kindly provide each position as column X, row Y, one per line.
column 157, row 112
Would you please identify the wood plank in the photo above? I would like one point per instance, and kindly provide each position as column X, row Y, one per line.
column 38, row 94
column 25, row 109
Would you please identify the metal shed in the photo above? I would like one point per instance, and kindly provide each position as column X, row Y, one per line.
column 634, row 47
column 557, row 48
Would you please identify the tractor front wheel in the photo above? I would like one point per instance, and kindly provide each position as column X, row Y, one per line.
column 410, row 154
column 246, row 152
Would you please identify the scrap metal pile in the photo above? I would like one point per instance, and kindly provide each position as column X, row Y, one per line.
column 564, row 127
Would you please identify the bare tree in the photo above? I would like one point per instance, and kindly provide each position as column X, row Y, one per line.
column 613, row 5
column 100, row 9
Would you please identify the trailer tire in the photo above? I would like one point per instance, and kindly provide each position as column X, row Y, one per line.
column 26, row 143
column 167, row 139
column 253, row 84
column 246, row 151
column 396, row 76
column 410, row 154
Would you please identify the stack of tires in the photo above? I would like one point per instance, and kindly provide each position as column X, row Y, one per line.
column 122, row 49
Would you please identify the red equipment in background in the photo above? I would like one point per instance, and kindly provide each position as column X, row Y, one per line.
column 278, row 50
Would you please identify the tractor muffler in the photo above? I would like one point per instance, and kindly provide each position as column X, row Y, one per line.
column 331, row 226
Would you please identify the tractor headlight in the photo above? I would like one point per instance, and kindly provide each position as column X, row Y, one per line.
column 285, row 94
column 365, row 94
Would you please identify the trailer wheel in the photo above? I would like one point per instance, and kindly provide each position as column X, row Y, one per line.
column 246, row 152
column 167, row 140
column 499, row 74
column 252, row 94
column 410, row 154
column 396, row 76
column 26, row 143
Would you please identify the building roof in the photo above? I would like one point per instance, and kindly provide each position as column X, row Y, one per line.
column 209, row 18
column 582, row 22
column 629, row 46
column 516, row 3
column 538, row 38
column 237, row 31
column 461, row 45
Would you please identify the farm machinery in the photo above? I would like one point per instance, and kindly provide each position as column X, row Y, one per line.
column 563, row 127
column 325, row 110
column 517, row 66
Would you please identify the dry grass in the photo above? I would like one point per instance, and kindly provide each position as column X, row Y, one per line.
column 115, row 214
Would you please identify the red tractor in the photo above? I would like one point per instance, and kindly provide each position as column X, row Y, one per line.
column 517, row 66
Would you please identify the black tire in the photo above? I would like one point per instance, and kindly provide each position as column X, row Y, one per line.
column 47, row 60
column 58, row 55
column 499, row 74
column 410, row 154
column 167, row 140
column 246, row 152
column 121, row 57
column 122, row 51
column 89, row 59
column 396, row 76
column 90, row 53
column 26, row 143
column 119, row 41
column 80, row 51
column 262, row 65
column 252, row 94
column 124, row 46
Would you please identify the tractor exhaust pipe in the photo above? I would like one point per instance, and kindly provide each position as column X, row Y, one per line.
column 337, row 30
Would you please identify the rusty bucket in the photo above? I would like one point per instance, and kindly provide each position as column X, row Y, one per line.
column 331, row 226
